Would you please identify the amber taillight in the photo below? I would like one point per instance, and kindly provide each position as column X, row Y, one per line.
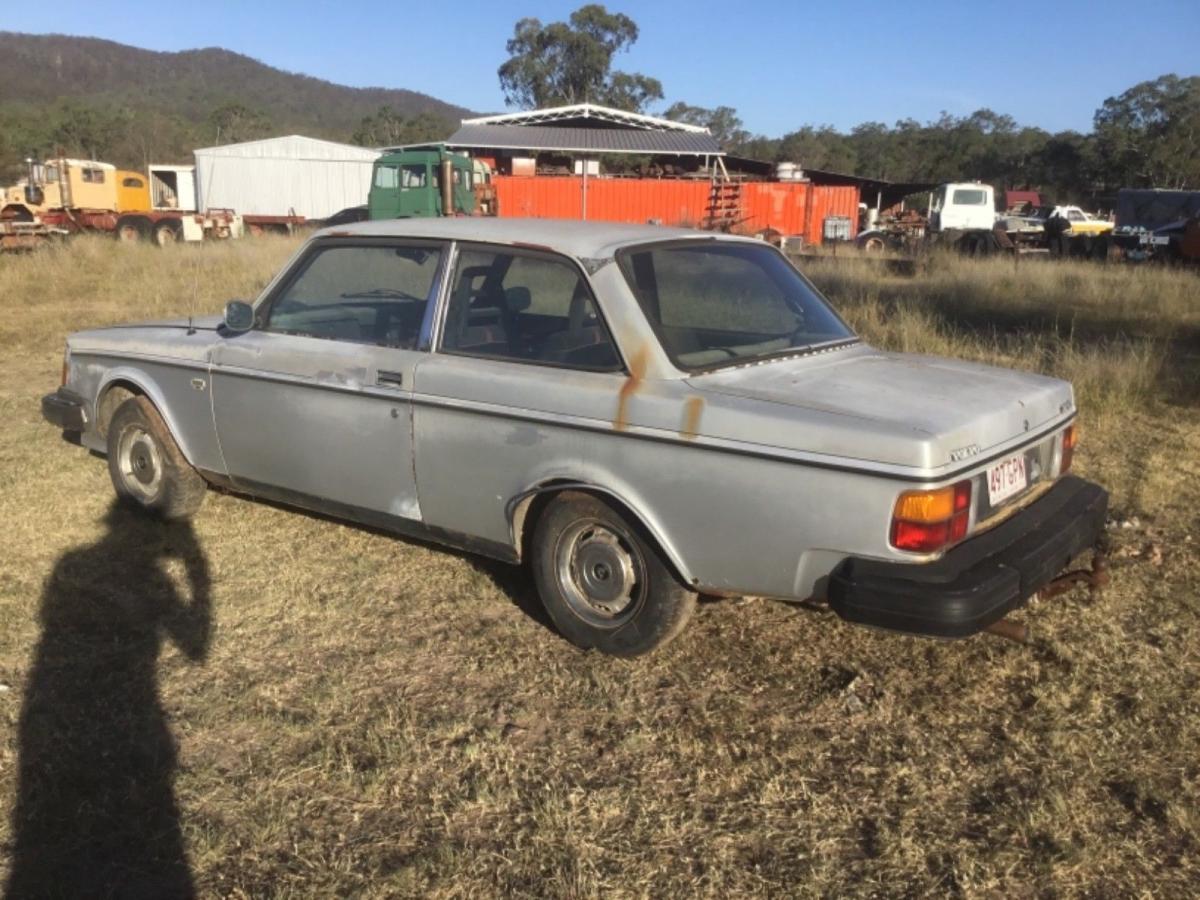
column 1069, row 439
column 925, row 521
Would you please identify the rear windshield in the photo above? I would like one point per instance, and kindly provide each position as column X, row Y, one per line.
column 715, row 303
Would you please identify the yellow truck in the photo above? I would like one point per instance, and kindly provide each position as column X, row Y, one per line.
column 69, row 196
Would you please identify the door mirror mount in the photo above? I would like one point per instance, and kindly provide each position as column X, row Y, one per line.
column 239, row 316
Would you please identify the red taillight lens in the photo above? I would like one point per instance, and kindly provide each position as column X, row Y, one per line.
column 925, row 521
column 1069, row 439
column 66, row 368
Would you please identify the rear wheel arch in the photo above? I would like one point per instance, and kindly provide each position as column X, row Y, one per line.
column 527, row 507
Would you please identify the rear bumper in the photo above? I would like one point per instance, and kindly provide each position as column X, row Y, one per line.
column 65, row 410
column 980, row 581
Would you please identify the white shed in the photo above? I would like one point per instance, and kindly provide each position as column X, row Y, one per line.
column 284, row 175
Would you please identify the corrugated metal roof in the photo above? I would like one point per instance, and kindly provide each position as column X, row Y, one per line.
column 584, row 112
column 292, row 146
column 585, row 140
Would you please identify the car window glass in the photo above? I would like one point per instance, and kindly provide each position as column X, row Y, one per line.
column 969, row 198
column 717, row 304
column 386, row 177
column 412, row 176
column 365, row 294
column 531, row 308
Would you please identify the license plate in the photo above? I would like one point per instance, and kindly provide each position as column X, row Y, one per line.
column 1006, row 478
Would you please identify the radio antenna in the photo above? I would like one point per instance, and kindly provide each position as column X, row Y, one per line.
column 202, row 212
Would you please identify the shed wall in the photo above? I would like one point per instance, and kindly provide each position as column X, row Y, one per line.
column 276, row 182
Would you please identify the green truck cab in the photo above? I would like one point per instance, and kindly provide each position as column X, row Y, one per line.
column 421, row 183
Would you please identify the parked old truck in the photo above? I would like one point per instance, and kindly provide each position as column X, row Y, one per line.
column 69, row 196
column 963, row 216
column 422, row 183
column 1158, row 224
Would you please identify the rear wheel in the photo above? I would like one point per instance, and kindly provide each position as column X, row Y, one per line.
column 146, row 466
column 130, row 231
column 604, row 583
column 165, row 233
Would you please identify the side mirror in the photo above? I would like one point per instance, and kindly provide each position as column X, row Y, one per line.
column 239, row 316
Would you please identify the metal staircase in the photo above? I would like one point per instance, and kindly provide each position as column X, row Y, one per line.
column 725, row 209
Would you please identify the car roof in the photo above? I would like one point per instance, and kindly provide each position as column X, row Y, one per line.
column 583, row 240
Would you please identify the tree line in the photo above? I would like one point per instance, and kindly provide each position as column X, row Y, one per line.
column 1146, row 137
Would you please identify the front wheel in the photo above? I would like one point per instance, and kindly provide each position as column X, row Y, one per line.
column 147, row 468
column 603, row 583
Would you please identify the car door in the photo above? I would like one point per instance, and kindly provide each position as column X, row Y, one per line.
column 313, row 405
column 524, row 357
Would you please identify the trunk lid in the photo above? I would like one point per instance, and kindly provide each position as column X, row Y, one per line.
column 935, row 410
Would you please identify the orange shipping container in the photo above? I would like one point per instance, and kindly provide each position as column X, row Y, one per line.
column 791, row 208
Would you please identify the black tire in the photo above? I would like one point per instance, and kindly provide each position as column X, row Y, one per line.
column 132, row 231
column 147, row 468
column 602, row 581
column 166, row 233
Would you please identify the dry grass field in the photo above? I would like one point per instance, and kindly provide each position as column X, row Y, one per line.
column 269, row 704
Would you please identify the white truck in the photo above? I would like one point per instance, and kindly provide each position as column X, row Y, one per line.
column 962, row 215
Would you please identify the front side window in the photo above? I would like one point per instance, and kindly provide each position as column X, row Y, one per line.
column 510, row 305
column 716, row 303
column 93, row 176
column 387, row 177
column 969, row 197
column 375, row 294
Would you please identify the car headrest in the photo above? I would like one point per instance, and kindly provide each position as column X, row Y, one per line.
column 517, row 299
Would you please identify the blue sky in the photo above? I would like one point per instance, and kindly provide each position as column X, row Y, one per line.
column 780, row 64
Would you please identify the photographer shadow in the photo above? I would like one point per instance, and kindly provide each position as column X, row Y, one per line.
column 95, row 813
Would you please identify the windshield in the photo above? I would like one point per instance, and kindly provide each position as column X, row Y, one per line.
column 718, row 303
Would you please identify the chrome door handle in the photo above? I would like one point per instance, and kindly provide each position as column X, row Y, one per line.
column 389, row 379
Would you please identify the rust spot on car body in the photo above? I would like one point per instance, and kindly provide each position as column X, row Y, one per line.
column 693, row 407
column 637, row 371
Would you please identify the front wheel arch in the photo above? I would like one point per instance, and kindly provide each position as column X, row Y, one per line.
column 525, row 509
column 120, row 386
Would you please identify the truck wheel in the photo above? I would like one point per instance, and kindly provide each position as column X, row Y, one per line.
column 166, row 233
column 604, row 584
column 874, row 244
column 147, row 468
column 130, row 231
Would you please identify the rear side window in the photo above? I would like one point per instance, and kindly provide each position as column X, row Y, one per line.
column 364, row 294
column 509, row 305
column 133, row 183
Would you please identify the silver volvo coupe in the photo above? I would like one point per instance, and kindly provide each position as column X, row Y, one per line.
column 642, row 414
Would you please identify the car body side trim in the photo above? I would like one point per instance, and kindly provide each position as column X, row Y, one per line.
column 640, row 432
column 407, row 528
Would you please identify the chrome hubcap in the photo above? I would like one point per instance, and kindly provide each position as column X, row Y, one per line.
column 140, row 462
column 600, row 574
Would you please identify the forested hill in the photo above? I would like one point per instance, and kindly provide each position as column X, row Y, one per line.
column 128, row 105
